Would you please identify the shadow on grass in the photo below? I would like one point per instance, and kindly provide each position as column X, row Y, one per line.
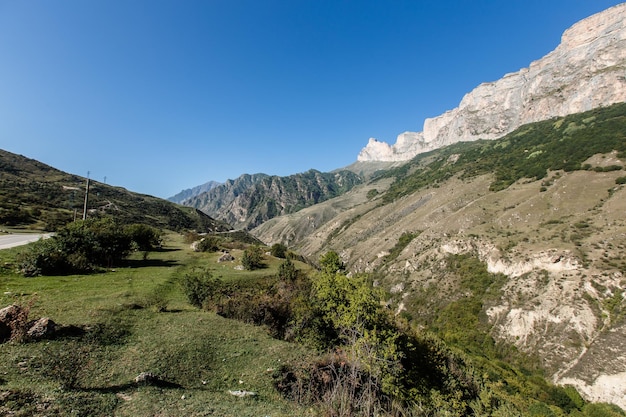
column 165, row 250
column 142, row 263
column 114, row 389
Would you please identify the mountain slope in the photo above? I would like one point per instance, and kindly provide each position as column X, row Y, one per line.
column 584, row 72
column 252, row 199
column 192, row 192
column 544, row 214
column 36, row 195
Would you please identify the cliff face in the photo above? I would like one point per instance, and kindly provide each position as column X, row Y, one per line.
column 587, row 70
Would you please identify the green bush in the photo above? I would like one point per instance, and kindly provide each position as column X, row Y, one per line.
column 79, row 247
column 287, row 271
column 252, row 258
column 143, row 237
column 278, row 250
column 209, row 244
column 200, row 286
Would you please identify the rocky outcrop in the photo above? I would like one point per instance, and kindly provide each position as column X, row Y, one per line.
column 14, row 325
column 587, row 70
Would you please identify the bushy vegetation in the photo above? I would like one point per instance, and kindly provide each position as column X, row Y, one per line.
column 252, row 258
column 374, row 363
column 84, row 246
column 528, row 152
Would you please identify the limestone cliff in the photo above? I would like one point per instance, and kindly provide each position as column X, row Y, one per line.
column 587, row 70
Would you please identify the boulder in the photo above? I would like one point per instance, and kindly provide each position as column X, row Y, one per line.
column 226, row 257
column 147, row 378
column 44, row 327
column 10, row 313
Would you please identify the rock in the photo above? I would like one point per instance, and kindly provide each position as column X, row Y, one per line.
column 584, row 72
column 42, row 328
column 146, row 378
column 226, row 257
column 242, row 393
column 10, row 313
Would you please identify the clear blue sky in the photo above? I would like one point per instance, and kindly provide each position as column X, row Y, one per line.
column 158, row 96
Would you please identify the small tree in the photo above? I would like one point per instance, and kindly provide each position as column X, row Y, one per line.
column 287, row 271
column 144, row 237
column 278, row 250
column 252, row 258
column 331, row 263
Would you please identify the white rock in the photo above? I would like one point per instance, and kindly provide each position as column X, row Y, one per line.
column 584, row 72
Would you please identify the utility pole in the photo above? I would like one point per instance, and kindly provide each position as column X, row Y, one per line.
column 86, row 198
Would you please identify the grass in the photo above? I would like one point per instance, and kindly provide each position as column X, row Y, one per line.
column 197, row 355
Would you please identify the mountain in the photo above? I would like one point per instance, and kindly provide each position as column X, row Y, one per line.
column 515, row 245
column 192, row 192
column 36, row 195
column 585, row 71
column 249, row 200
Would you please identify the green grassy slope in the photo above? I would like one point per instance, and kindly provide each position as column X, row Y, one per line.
column 38, row 196
column 198, row 355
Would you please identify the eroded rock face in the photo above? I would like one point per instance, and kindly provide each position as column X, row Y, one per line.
column 587, row 70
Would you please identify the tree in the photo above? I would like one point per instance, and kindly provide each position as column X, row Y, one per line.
column 331, row 263
column 252, row 258
column 287, row 271
column 144, row 237
column 278, row 250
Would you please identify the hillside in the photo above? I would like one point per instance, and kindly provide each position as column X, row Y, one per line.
column 542, row 208
column 251, row 200
column 36, row 195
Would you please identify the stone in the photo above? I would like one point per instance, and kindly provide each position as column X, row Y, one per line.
column 226, row 257
column 42, row 328
column 10, row 313
column 146, row 378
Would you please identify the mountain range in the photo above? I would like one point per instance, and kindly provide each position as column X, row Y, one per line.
column 504, row 218
column 525, row 176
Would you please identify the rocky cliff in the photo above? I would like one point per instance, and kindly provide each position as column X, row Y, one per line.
column 587, row 70
column 252, row 199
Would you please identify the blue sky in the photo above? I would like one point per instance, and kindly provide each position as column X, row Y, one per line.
column 158, row 96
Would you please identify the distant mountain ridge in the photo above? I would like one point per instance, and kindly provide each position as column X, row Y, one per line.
column 587, row 70
column 249, row 200
column 192, row 192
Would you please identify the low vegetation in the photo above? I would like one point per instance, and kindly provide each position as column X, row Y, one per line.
column 172, row 334
column 529, row 152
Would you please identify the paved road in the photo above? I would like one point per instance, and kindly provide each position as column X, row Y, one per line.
column 19, row 239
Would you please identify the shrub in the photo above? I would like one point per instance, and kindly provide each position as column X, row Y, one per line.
column 79, row 247
column 278, row 250
column 199, row 286
column 287, row 271
column 252, row 258
column 331, row 263
column 143, row 237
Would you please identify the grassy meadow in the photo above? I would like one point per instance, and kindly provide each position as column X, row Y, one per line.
column 134, row 319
